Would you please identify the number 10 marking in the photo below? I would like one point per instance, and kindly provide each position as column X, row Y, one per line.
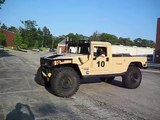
column 101, row 64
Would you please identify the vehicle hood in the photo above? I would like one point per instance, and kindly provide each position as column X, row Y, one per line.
column 65, row 56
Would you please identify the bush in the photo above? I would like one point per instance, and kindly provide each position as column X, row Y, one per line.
column 24, row 46
column 43, row 49
column 2, row 39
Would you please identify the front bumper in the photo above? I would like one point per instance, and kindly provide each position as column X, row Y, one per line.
column 46, row 68
column 46, row 72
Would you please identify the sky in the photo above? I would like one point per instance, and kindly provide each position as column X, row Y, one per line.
column 123, row 18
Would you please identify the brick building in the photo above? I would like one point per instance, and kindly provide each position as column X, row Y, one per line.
column 61, row 48
column 9, row 37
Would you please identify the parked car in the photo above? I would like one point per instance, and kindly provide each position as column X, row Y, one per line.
column 52, row 50
column 36, row 50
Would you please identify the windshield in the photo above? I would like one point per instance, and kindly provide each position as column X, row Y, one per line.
column 80, row 48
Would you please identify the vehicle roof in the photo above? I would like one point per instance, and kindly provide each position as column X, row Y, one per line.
column 86, row 42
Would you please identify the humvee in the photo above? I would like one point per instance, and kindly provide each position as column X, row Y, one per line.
column 86, row 59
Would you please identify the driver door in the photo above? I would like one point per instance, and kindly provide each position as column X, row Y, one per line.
column 100, row 60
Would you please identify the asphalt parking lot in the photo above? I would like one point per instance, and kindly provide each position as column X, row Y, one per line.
column 22, row 98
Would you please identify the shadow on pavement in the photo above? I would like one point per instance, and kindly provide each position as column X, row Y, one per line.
column 82, row 81
column 21, row 112
column 57, row 111
column 117, row 83
column 39, row 80
column 91, row 80
column 4, row 53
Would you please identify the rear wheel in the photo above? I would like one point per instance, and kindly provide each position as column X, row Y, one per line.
column 132, row 78
column 64, row 82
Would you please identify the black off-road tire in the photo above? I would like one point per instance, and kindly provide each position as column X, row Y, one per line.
column 108, row 79
column 64, row 82
column 133, row 77
column 39, row 79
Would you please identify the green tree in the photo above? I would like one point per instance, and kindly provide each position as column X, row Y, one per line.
column 47, row 42
column 2, row 39
column 40, row 37
column 151, row 43
column 29, row 24
column 29, row 32
column 1, row 2
column 144, row 43
column 36, row 44
column 34, row 37
column 13, row 29
column 4, row 26
column 95, row 36
column 125, row 41
column 18, row 40
column 76, row 37
column 108, row 38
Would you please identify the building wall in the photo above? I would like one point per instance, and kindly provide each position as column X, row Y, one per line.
column 158, row 36
column 157, row 50
column 61, row 49
column 116, row 49
column 9, row 37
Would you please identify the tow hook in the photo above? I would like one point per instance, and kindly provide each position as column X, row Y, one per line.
column 47, row 75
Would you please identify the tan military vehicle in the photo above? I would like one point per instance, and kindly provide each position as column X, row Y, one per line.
column 88, row 59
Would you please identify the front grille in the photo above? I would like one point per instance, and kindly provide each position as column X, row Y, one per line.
column 45, row 62
column 42, row 61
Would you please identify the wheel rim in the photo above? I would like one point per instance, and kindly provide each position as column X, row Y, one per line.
column 66, row 83
column 134, row 78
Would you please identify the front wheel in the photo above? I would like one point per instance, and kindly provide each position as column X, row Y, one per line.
column 132, row 78
column 64, row 82
column 38, row 78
